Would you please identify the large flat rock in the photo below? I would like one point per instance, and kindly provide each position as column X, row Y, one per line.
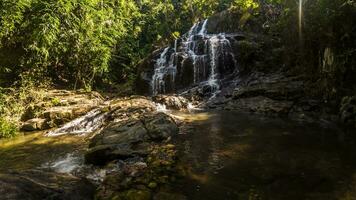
column 130, row 138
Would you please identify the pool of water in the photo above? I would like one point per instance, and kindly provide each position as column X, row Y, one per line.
column 229, row 155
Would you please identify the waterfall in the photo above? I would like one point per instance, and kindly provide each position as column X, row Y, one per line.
column 196, row 59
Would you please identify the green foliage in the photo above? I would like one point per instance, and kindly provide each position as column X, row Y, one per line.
column 245, row 4
column 13, row 104
column 56, row 101
column 71, row 40
column 8, row 129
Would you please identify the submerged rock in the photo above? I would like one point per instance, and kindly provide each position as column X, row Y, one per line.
column 130, row 138
column 142, row 180
column 37, row 185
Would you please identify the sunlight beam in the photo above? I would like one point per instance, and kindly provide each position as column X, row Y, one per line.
column 300, row 19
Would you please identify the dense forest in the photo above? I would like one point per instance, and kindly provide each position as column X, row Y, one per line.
column 85, row 44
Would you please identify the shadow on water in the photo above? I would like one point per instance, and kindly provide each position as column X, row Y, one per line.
column 33, row 150
column 241, row 156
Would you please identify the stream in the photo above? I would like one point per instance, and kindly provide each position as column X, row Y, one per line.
column 225, row 155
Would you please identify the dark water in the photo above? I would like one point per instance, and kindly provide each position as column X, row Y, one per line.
column 239, row 156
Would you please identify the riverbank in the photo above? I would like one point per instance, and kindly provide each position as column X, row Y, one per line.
column 134, row 147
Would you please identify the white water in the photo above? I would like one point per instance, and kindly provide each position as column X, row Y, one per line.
column 203, row 30
column 206, row 63
column 67, row 164
column 161, row 108
column 88, row 123
column 158, row 84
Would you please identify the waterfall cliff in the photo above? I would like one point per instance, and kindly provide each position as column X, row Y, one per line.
column 197, row 59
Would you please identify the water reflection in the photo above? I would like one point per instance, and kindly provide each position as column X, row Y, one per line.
column 239, row 156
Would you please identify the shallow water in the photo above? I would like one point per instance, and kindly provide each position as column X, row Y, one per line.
column 35, row 150
column 228, row 155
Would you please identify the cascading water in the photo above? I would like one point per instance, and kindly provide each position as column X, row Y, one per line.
column 158, row 83
column 88, row 123
column 67, row 164
column 196, row 59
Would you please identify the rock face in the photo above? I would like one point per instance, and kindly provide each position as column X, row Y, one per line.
column 37, row 185
column 122, row 140
column 271, row 94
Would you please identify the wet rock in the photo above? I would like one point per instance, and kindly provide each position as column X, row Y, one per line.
column 131, row 138
column 348, row 111
column 35, row 124
column 174, row 102
column 306, row 110
column 37, row 185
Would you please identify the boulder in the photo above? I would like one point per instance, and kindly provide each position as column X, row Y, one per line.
column 34, row 124
column 174, row 102
column 131, row 138
column 37, row 185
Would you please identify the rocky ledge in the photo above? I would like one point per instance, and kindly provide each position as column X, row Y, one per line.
column 59, row 107
column 274, row 94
